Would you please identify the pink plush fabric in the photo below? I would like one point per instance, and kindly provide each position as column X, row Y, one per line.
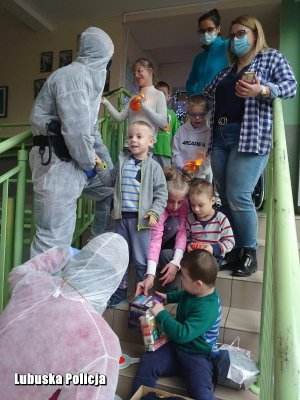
column 49, row 327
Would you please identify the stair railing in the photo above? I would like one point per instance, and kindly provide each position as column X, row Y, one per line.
column 12, row 209
column 279, row 356
column 15, row 216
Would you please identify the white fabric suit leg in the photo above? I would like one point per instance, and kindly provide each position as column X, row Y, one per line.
column 103, row 222
column 57, row 187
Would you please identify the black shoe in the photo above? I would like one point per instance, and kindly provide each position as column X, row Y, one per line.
column 119, row 296
column 248, row 264
column 231, row 260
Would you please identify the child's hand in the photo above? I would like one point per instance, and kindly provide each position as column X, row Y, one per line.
column 144, row 286
column 189, row 248
column 100, row 163
column 152, row 220
column 162, row 295
column 170, row 270
column 157, row 308
column 208, row 248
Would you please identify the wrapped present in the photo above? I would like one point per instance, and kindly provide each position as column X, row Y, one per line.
column 236, row 369
column 138, row 307
column 152, row 335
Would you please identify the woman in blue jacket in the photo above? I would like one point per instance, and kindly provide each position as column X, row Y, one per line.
column 213, row 58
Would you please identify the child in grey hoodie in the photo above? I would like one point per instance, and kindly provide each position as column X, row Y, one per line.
column 140, row 197
column 192, row 139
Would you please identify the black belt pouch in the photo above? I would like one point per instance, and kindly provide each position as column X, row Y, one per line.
column 58, row 142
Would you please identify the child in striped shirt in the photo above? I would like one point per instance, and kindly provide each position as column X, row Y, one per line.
column 140, row 197
column 193, row 333
column 207, row 228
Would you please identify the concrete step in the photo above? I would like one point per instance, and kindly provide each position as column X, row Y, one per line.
column 173, row 385
column 240, row 292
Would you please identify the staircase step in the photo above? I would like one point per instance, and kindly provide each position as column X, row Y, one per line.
column 240, row 292
column 173, row 385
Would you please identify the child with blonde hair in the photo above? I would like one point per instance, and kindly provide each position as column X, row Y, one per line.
column 152, row 104
column 168, row 237
column 140, row 198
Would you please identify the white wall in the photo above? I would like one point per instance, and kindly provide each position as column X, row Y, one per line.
column 20, row 57
column 175, row 74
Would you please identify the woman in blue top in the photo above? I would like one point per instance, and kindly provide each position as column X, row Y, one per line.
column 213, row 58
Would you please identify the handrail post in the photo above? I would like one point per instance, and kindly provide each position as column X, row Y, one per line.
column 286, row 273
column 264, row 385
column 20, row 207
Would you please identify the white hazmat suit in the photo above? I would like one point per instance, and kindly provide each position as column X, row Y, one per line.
column 53, row 324
column 70, row 96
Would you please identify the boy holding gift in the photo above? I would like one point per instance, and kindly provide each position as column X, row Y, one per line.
column 193, row 334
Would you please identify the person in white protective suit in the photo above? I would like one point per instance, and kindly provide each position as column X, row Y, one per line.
column 70, row 98
column 53, row 324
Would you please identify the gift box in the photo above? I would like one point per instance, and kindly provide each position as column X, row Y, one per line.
column 152, row 335
column 138, row 307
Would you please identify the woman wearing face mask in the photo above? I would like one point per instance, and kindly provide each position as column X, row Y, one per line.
column 153, row 107
column 213, row 58
column 242, row 123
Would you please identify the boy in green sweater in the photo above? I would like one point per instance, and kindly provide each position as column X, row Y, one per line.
column 193, row 334
column 163, row 146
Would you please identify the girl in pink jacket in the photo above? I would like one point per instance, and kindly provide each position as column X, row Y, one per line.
column 168, row 240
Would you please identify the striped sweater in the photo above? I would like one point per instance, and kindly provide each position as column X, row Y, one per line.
column 217, row 232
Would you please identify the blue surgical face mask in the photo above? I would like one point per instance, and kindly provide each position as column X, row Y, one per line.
column 240, row 47
column 207, row 38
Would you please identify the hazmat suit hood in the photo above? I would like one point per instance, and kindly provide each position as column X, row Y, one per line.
column 96, row 271
column 95, row 48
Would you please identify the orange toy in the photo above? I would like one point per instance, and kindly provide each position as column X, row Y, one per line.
column 197, row 246
column 136, row 102
column 195, row 164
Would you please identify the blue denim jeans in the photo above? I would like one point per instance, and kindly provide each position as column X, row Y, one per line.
column 235, row 176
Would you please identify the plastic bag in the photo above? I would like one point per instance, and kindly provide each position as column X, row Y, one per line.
column 235, row 367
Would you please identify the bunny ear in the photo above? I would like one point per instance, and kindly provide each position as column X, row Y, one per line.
column 50, row 261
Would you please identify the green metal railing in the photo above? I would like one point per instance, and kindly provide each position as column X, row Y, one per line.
column 279, row 359
column 16, row 213
column 113, row 133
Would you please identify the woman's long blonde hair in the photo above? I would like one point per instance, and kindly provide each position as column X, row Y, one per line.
column 260, row 43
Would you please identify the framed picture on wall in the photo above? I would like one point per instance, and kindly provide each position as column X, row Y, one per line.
column 3, row 101
column 46, row 61
column 65, row 58
column 38, row 84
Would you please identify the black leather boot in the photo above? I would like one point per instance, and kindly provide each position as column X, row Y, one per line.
column 231, row 260
column 248, row 264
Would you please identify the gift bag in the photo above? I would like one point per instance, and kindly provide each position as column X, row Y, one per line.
column 153, row 337
column 235, row 367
